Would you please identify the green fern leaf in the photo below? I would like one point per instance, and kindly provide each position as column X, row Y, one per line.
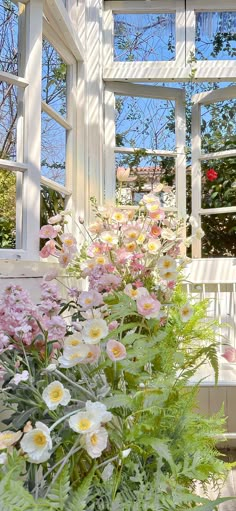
column 78, row 500
column 60, row 490
column 211, row 505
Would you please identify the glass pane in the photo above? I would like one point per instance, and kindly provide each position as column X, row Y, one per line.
column 216, row 35
column 53, row 154
column 144, row 36
column 220, row 235
column 219, row 183
column 7, row 209
column 8, row 115
column 145, row 122
column 218, row 126
column 8, row 37
column 54, row 79
column 148, row 172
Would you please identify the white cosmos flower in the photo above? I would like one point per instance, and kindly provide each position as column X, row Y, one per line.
column 91, row 314
column 96, row 442
column 37, row 443
column 135, row 293
column 153, row 246
column 55, row 394
column 94, row 330
column 168, row 275
column 186, row 312
column 167, row 263
column 73, row 341
column 99, row 410
column 84, row 422
column 73, row 355
column 109, row 237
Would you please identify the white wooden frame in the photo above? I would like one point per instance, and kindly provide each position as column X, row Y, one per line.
column 183, row 67
column 178, row 95
column 205, row 98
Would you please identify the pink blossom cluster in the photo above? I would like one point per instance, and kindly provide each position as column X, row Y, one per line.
column 61, row 245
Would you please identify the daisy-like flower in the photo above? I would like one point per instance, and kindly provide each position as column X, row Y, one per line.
column 148, row 306
column 131, row 246
column 47, row 231
column 167, row 263
column 65, row 258
column 69, row 241
column 24, row 376
column 84, row 422
column 94, row 330
column 141, row 238
column 88, row 299
column 55, row 394
column 150, row 199
column 55, row 219
column 8, row 438
column 131, row 233
column 186, row 312
column 99, row 410
column 153, row 246
column 153, row 207
column 158, row 214
column 135, row 293
column 116, row 350
column 93, row 354
column 37, row 443
column 101, row 260
column 73, row 355
column 73, row 341
column 119, row 216
column 109, row 237
column 96, row 442
column 168, row 275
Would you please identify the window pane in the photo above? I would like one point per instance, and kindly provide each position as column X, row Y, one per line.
column 143, row 37
column 8, row 115
column 8, row 37
column 148, row 172
column 53, row 154
column 216, row 35
column 219, row 183
column 218, row 126
column 220, row 235
column 7, row 209
column 145, row 122
column 54, row 79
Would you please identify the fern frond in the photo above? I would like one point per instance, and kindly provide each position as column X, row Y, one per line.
column 60, row 490
column 78, row 500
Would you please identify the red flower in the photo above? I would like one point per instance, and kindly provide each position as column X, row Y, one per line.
column 211, row 175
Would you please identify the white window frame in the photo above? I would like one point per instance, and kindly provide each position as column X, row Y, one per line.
column 184, row 66
column 177, row 95
column 53, row 21
column 205, row 98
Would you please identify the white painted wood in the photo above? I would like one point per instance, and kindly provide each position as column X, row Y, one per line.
column 196, row 175
column 128, row 89
column 216, row 211
column 155, row 152
column 32, row 128
column 180, row 171
column 55, row 186
column 180, row 21
column 13, row 165
column 213, row 96
column 109, row 148
column 59, row 15
column 212, row 270
column 13, row 79
column 138, row 6
column 54, row 115
column 55, row 40
column 108, row 36
column 220, row 154
column 213, row 6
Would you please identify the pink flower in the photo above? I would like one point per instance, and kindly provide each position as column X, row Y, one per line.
column 69, row 242
column 115, row 350
column 230, row 354
column 50, row 276
column 155, row 231
column 113, row 325
column 48, row 249
column 55, row 219
column 108, row 282
column 47, row 231
column 89, row 299
column 159, row 214
column 148, row 306
column 122, row 174
column 65, row 258
column 56, row 327
column 93, row 354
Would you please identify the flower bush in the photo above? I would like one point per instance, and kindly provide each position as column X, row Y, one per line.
column 101, row 413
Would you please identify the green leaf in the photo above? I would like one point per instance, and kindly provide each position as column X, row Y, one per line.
column 79, row 497
column 211, row 505
column 117, row 400
column 162, row 450
column 60, row 490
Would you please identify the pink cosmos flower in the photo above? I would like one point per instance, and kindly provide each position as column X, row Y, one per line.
column 55, row 219
column 122, row 256
column 113, row 325
column 69, row 242
column 115, row 350
column 48, row 249
column 155, row 231
column 93, row 354
column 108, row 282
column 159, row 214
column 148, row 306
column 65, row 258
column 47, row 231
column 89, row 299
column 230, row 354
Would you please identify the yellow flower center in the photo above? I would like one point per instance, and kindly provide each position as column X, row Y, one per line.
column 95, row 333
column 68, row 242
column 40, row 439
column 56, row 394
column 94, row 439
column 84, row 424
column 185, row 311
column 147, row 306
column 168, row 274
column 6, row 436
column 74, row 355
column 88, row 300
column 116, row 351
column 100, row 260
column 118, row 216
column 75, row 342
column 134, row 292
column 167, row 264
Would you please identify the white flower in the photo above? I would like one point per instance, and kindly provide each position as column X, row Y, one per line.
column 186, row 312
column 24, row 376
column 125, row 453
column 84, row 422
column 168, row 234
column 50, row 368
column 37, row 443
column 55, row 219
column 167, row 263
column 153, row 246
column 168, row 275
column 109, row 237
column 73, row 341
column 8, row 438
column 3, row 458
column 94, row 330
column 199, row 233
column 91, row 314
column 55, row 394
column 96, row 442
column 100, row 411
column 73, row 356
column 135, row 293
